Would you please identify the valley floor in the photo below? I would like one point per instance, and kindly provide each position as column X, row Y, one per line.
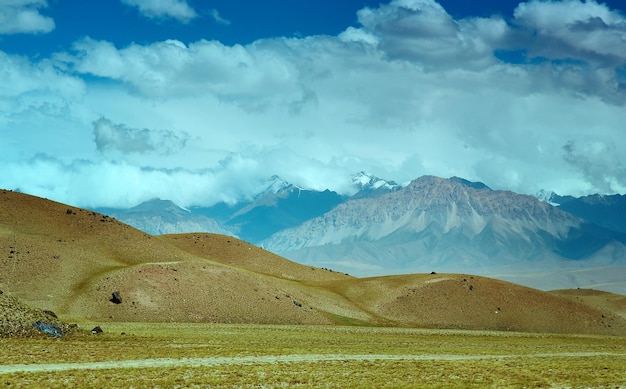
column 221, row 355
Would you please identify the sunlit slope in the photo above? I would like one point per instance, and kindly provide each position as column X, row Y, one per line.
column 234, row 252
column 72, row 261
column 472, row 302
column 596, row 298
column 49, row 250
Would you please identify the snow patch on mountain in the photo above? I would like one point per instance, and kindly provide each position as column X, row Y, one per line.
column 367, row 184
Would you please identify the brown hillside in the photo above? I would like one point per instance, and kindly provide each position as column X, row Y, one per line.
column 71, row 261
column 472, row 302
column 233, row 252
column 49, row 250
column 615, row 303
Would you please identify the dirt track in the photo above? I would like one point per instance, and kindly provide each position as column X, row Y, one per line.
column 272, row 359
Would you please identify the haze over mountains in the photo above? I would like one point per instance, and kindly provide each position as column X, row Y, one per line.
column 431, row 224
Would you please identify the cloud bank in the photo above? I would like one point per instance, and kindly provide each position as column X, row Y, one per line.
column 23, row 17
column 536, row 101
column 179, row 10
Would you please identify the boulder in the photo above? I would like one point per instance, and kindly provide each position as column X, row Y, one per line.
column 96, row 330
column 47, row 328
column 116, row 298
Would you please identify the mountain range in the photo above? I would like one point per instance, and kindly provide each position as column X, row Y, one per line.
column 431, row 224
column 62, row 262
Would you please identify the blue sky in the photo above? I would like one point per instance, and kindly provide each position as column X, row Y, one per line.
column 110, row 103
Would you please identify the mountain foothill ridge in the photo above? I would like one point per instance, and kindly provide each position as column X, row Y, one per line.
column 86, row 266
column 545, row 241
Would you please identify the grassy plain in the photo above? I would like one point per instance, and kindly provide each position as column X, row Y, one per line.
column 234, row 355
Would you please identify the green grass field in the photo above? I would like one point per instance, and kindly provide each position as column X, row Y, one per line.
column 220, row 355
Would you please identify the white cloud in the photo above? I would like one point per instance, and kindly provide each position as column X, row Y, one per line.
column 251, row 76
column 599, row 163
column 422, row 31
column 110, row 136
column 101, row 182
column 412, row 91
column 35, row 104
column 162, row 9
column 572, row 29
column 28, row 78
column 218, row 18
column 23, row 17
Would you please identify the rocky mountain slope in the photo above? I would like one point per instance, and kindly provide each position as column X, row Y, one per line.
column 84, row 265
column 158, row 217
column 273, row 211
column 450, row 225
column 605, row 211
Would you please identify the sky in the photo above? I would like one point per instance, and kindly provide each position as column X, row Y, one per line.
column 111, row 103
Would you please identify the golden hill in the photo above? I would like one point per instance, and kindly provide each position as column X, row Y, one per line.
column 71, row 261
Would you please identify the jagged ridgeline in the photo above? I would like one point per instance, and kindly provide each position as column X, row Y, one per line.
column 454, row 225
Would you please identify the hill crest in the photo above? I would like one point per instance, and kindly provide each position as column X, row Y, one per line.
column 73, row 261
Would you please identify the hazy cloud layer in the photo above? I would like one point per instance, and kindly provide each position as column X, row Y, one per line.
column 537, row 101
column 23, row 17
column 117, row 137
column 164, row 9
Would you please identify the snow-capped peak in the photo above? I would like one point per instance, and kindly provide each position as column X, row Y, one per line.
column 365, row 181
column 275, row 185
column 546, row 196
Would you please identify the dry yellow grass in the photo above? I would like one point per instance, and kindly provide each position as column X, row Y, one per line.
column 220, row 355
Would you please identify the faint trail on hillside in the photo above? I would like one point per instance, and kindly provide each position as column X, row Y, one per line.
column 272, row 359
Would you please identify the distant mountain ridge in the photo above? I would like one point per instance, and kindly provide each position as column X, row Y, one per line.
column 607, row 211
column 430, row 224
column 159, row 217
column 436, row 221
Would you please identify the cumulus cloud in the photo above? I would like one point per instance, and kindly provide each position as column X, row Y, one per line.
column 164, row 9
column 35, row 97
column 422, row 31
column 23, row 17
column 28, row 77
column 572, row 29
column 598, row 163
column 110, row 136
column 172, row 69
column 410, row 91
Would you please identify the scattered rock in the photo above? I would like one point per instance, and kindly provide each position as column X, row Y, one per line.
column 96, row 330
column 50, row 313
column 297, row 303
column 49, row 329
column 116, row 298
